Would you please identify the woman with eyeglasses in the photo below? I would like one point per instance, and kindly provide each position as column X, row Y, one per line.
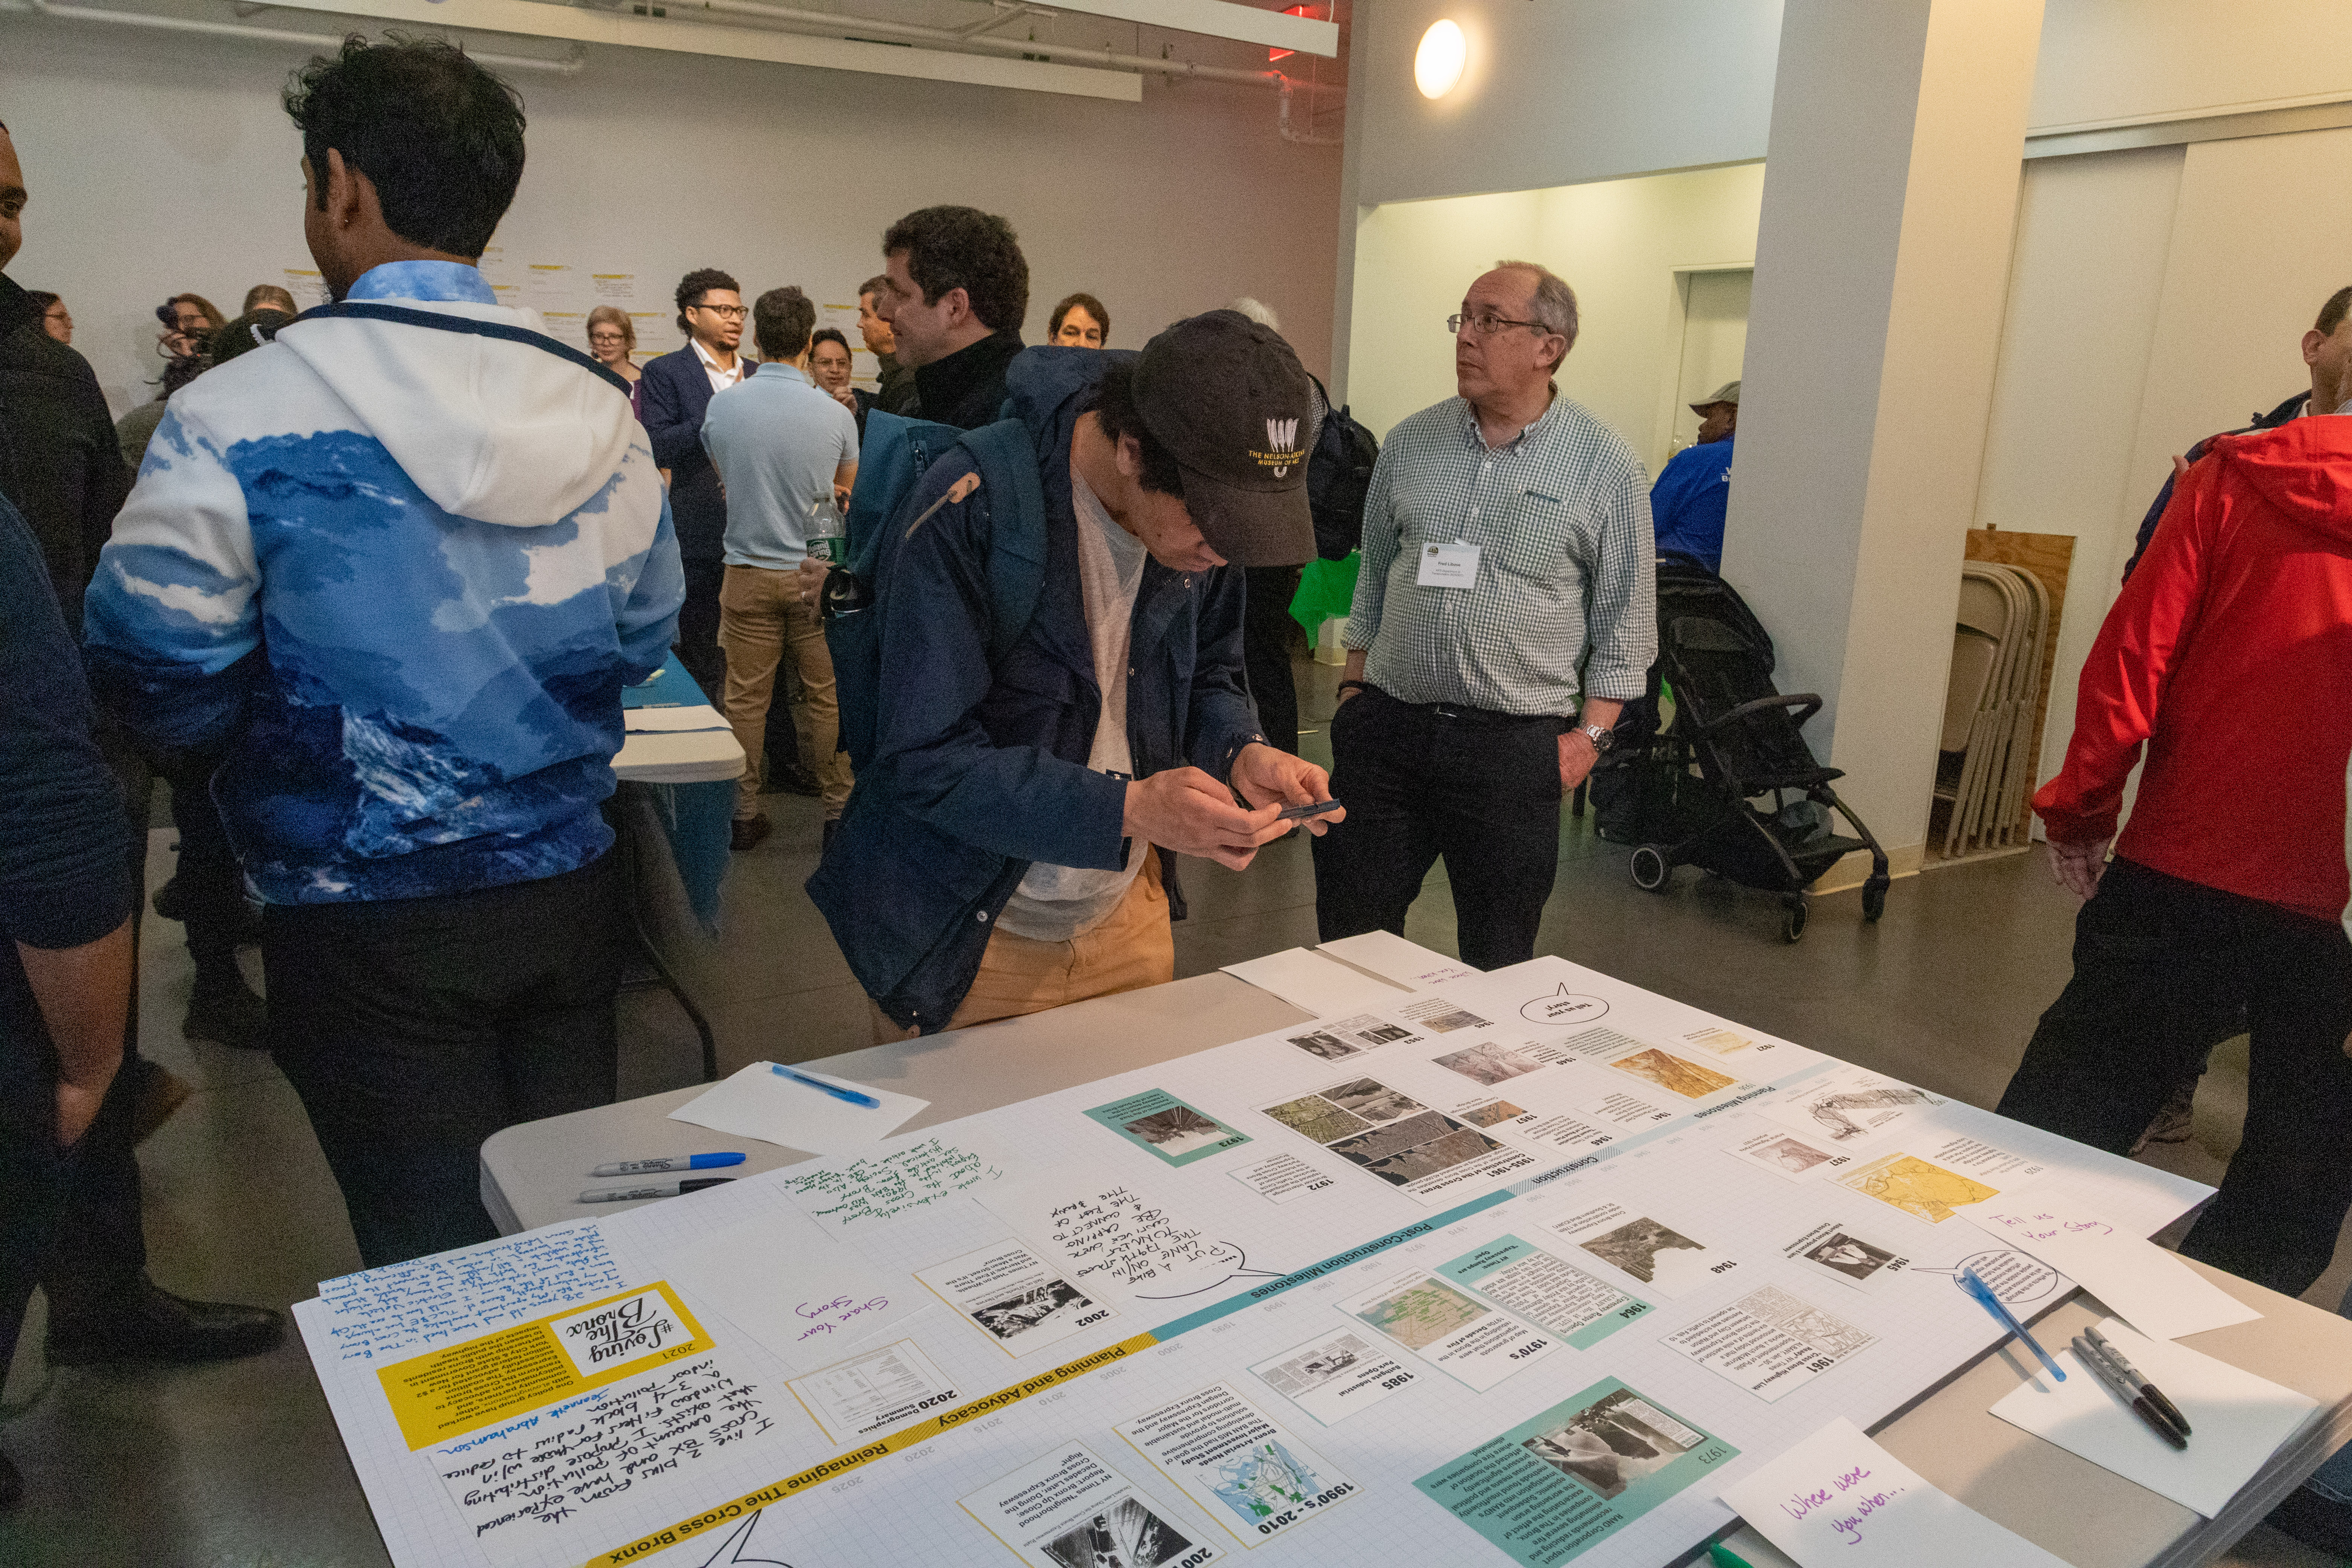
column 56, row 320
column 611, row 340
column 188, row 319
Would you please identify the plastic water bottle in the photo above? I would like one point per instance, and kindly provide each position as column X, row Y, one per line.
column 828, row 533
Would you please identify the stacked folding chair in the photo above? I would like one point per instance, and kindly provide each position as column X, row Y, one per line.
column 1984, row 775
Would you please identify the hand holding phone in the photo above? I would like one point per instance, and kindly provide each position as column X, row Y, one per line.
column 1316, row 808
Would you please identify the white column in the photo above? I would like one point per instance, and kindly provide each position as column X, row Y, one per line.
column 1882, row 266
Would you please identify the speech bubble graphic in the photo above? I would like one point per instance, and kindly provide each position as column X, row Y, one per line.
column 1563, row 1008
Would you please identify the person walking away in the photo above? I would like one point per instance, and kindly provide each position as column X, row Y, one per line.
column 781, row 444
column 1506, row 547
column 677, row 390
column 2249, row 573
column 397, row 577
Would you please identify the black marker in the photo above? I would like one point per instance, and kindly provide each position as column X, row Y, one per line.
column 652, row 1190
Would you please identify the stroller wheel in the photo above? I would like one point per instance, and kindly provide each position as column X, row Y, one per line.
column 1793, row 908
column 1650, row 869
column 1873, row 899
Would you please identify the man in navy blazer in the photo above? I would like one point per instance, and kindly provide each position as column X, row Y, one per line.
column 677, row 390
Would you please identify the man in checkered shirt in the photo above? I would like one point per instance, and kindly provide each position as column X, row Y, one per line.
column 1507, row 546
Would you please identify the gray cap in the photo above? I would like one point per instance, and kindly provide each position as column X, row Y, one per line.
column 1728, row 393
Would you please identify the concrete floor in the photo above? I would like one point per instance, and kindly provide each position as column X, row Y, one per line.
column 238, row 1466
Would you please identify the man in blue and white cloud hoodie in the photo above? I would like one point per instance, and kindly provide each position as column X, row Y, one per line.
column 398, row 564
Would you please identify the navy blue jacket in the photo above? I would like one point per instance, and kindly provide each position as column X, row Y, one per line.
column 978, row 772
column 65, row 877
column 677, row 394
column 2271, row 421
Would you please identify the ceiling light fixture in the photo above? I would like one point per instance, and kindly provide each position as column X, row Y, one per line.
column 1437, row 65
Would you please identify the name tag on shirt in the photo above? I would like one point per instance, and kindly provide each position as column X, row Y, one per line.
column 1448, row 567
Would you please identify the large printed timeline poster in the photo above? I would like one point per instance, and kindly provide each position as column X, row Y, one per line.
column 1514, row 1270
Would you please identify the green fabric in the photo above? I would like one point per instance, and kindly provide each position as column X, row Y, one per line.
column 1327, row 591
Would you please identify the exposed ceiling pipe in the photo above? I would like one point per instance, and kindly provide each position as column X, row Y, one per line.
column 842, row 25
column 568, row 65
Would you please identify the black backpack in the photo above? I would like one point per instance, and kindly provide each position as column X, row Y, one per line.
column 1339, row 476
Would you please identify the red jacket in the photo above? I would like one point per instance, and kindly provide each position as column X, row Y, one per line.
column 2230, row 653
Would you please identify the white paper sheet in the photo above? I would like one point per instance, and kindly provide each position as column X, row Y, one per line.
column 1838, row 1497
column 2132, row 1276
column 1314, row 982
column 2236, row 1420
column 674, row 720
column 759, row 1102
column 1406, row 962
column 799, row 1292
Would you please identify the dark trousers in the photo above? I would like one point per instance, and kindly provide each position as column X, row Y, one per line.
column 2155, row 957
column 414, row 1029
column 69, row 1219
column 1266, row 626
column 211, row 885
column 1419, row 782
column 698, row 629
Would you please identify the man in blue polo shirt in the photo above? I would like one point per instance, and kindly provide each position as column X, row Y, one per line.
column 780, row 443
column 1687, row 502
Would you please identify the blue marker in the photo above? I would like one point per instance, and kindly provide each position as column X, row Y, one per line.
column 666, row 1163
column 834, row 1090
column 1969, row 1281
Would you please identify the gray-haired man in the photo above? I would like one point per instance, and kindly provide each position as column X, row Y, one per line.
column 1506, row 541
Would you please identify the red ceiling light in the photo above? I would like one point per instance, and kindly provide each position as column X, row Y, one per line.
column 1274, row 55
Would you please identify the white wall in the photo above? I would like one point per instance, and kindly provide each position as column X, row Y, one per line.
column 160, row 164
column 2104, row 61
column 1617, row 243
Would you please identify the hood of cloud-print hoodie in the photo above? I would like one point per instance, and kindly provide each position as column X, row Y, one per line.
column 489, row 429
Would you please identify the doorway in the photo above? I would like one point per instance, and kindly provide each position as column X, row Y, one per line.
column 1713, row 302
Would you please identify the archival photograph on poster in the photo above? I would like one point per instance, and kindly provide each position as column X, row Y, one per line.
column 880, row 1391
column 1238, row 1463
column 1334, row 1375
column 1488, row 1115
column 1176, row 1133
column 1021, row 1301
column 1562, row 1482
column 1791, row 1154
column 1836, row 1251
column 1397, row 1138
column 1069, row 1510
column 1769, row 1342
column 1489, row 1062
column 1546, row 1289
column 1919, row 1189
column 1336, row 1039
column 1673, row 1074
column 1440, row 1016
column 1452, row 1330
column 1664, row 1256
column 1847, row 1105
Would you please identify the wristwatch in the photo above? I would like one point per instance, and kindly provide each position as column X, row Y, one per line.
column 1601, row 737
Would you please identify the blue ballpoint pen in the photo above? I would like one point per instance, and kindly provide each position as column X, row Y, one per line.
column 834, row 1090
column 1976, row 1286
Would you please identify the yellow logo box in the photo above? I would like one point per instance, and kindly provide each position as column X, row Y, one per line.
column 458, row 1388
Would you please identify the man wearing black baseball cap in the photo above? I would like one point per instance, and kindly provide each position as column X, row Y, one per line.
column 998, row 855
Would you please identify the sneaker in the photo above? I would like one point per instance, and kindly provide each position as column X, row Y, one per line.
column 750, row 831
column 2175, row 1122
column 147, row 1322
column 227, row 1013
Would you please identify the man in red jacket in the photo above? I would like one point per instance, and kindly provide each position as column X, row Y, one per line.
column 2228, row 654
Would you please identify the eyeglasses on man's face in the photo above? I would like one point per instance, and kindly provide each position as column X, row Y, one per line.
column 1485, row 325
column 724, row 312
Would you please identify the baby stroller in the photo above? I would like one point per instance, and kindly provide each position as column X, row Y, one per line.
column 1696, row 756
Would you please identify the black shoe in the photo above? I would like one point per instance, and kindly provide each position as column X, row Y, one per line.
column 147, row 1322
column 227, row 1013
column 832, row 828
column 2317, row 1519
column 170, row 902
column 750, row 831
column 793, row 780
column 12, row 1485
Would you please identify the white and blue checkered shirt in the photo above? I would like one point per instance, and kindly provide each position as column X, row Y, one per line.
column 1561, row 515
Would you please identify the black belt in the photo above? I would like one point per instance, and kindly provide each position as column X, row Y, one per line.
column 1480, row 718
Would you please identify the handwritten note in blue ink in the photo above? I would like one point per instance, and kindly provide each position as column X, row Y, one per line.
column 1838, row 1497
column 452, row 1296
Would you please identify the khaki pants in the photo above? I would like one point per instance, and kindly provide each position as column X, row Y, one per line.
column 761, row 619
column 1133, row 949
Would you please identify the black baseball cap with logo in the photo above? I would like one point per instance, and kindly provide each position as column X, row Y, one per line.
column 1231, row 401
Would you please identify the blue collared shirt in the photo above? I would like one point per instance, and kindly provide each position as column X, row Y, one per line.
column 452, row 280
column 1689, row 501
column 777, row 440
